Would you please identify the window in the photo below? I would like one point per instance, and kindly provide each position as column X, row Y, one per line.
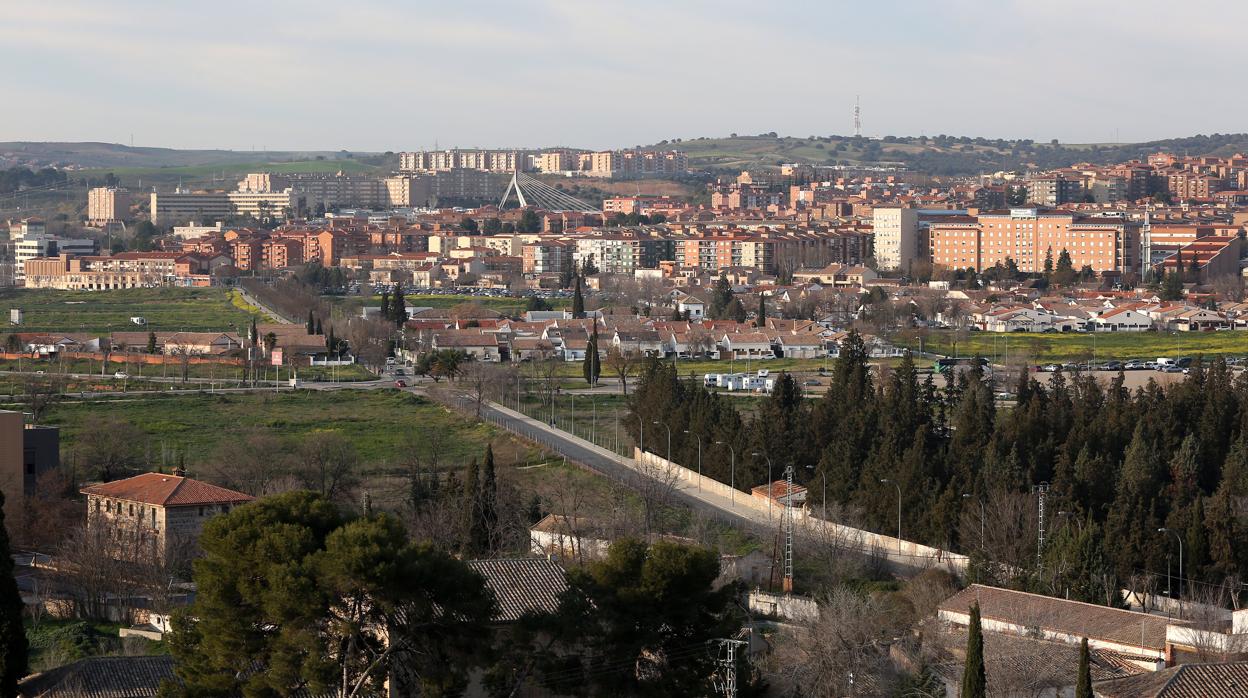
column 201, row 511
column 131, row 509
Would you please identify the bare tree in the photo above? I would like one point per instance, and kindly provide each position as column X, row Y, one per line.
column 842, row 653
column 40, row 392
column 656, row 487
column 328, row 464
column 623, row 364
column 258, row 463
column 483, row 380
column 108, row 446
column 183, row 354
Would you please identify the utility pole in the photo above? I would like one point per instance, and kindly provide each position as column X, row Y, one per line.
column 1042, row 492
column 726, row 661
column 788, row 530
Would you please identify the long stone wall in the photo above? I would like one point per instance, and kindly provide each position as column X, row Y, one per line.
column 901, row 552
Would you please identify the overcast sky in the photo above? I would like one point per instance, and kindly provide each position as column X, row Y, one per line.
column 406, row 74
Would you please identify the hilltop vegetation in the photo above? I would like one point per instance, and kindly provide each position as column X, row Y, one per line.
column 937, row 155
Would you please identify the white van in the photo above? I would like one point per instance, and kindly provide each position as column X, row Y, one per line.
column 1162, row 362
column 139, row 320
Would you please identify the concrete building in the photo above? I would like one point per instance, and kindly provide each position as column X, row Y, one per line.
column 108, row 204
column 35, row 246
column 26, row 453
column 182, row 205
column 166, row 511
column 506, row 161
column 896, row 237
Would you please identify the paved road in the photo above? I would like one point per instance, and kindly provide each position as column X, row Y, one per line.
column 264, row 308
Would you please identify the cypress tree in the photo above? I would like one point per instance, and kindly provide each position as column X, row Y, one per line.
column 1083, row 686
column 151, row 342
column 12, row 634
column 595, row 359
column 398, row 307
column 578, row 301
column 385, row 305
column 489, row 500
column 762, row 311
column 318, row 327
column 974, row 678
column 472, row 492
column 311, row 322
column 587, row 365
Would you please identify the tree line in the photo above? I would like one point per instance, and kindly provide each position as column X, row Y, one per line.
column 1118, row 465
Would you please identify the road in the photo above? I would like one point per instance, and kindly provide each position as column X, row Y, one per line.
column 264, row 308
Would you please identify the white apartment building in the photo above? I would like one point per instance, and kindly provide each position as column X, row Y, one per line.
column 896, row 232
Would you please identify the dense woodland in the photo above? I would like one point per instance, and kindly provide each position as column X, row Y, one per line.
column 1119, row 466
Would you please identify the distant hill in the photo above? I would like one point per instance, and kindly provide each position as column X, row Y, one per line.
column 937, row 155
column 113, row 155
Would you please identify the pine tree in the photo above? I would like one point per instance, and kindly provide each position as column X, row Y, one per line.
column 1083, row 686
column 974, row 678
column 13, row 645
column 385, row 305
column 578, row 300
column 736, row 310
column 1048, row 262
column 761, row 319
column 311, row 322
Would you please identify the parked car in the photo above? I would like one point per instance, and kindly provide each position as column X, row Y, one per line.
column 1134, row 366
column 121, row 375
column 810, row 382
column 1049, row 368
column 1183, row 362
column 400, row 383
column 1113, row 366
column 1171, row 368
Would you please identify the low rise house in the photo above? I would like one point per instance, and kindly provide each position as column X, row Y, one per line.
column 166, row 512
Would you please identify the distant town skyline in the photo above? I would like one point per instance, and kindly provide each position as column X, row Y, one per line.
column 384, row 75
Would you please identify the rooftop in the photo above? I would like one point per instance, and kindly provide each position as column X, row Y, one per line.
column 522, row 586
column 166, row 491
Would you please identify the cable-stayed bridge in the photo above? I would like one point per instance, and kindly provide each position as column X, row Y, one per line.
column 529, row 191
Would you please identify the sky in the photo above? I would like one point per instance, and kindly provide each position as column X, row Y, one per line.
column 377, row 75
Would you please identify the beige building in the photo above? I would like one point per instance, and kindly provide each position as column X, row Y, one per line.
column 183, row 205
column 896, row 237
column 166, row 512
column 107, row 204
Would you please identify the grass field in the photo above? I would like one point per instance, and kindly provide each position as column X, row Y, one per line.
column 227, row 174
column 1041, row 348
column 379, row 423
column 166, row 309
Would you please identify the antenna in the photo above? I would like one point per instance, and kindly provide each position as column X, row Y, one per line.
column 857, row 118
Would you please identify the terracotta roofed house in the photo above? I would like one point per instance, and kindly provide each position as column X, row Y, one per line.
column 165, row 510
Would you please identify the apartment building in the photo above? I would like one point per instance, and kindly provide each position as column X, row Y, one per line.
column 546, row 256
column 1054, row 189
column 1029, row 235
column 108, row 204
column 896, row 237
column 407, row 191
column 487, row 160
column 266, row 205
column 182, row 205
column 622, row 254
column 318, row 190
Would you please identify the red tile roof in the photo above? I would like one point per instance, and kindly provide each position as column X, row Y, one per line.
column 166, row 491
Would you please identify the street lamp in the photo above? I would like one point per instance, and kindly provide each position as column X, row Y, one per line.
column 890, row 482
column 732, row 496
column 823, row 474
column 764, row 455
column 1180, row 540
column 669, row 440
column 981, row 518
column 699, row 438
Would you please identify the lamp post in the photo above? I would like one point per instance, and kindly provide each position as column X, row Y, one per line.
column 757, row 454
column 981, row 518
column 699, row 438
column 669, row 440
column 1180, row 540
column 732, row 496
column 890, row 482
column 824, row 475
